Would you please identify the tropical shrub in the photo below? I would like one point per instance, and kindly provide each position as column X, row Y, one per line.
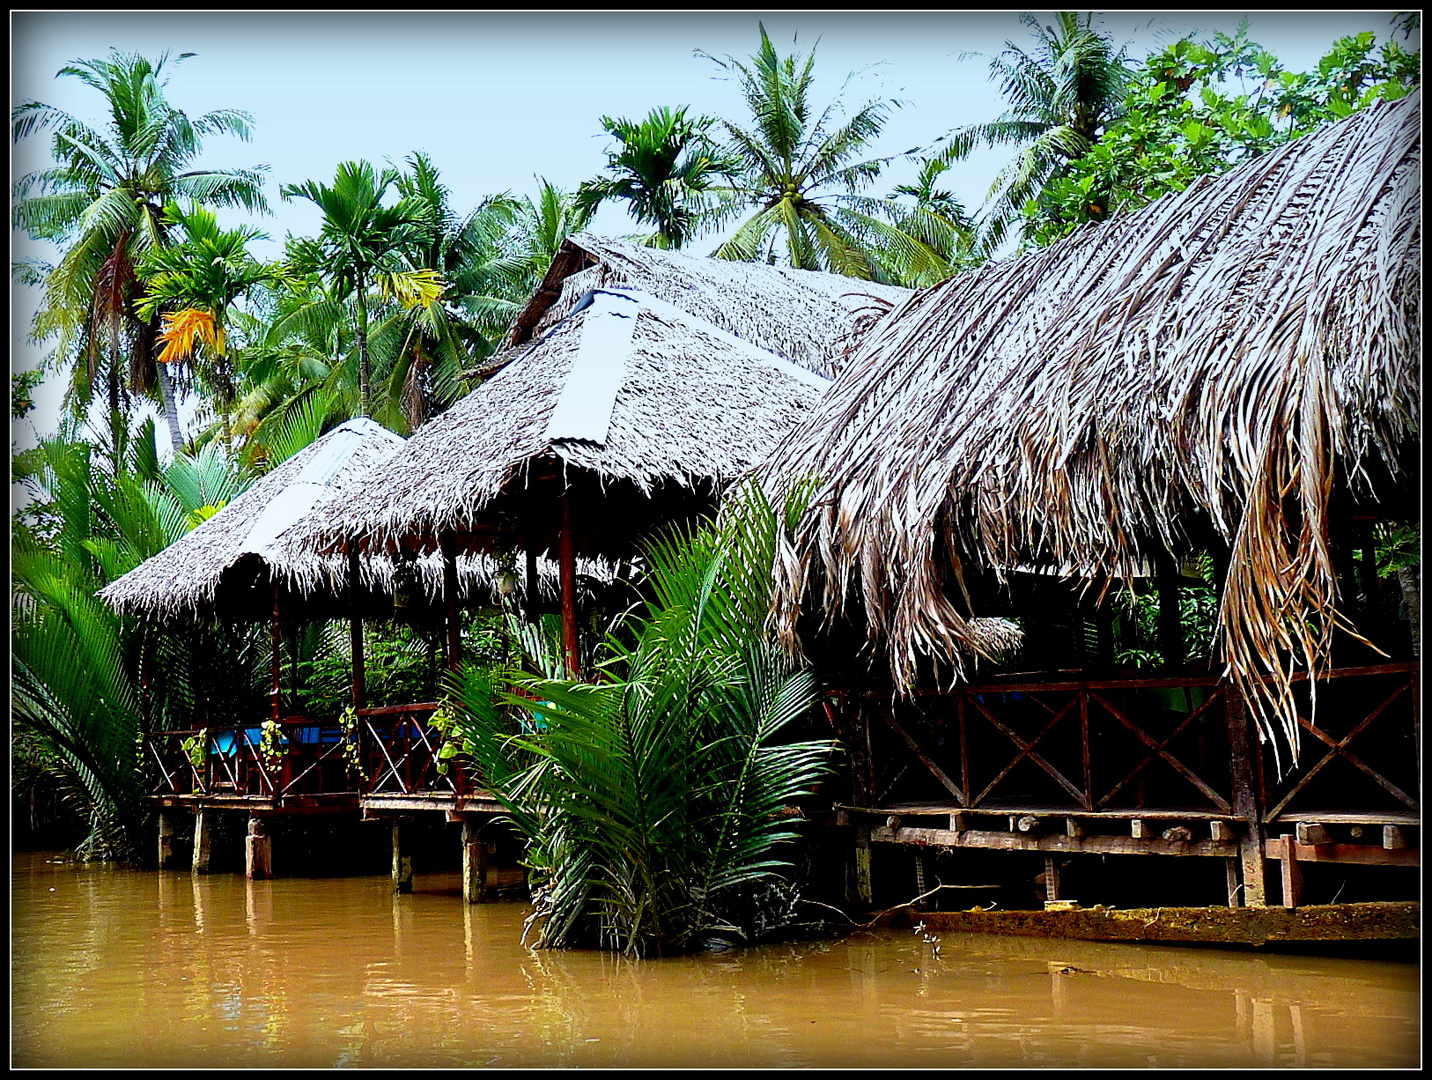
column 654, row 800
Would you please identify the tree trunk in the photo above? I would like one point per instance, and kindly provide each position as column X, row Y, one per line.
column 1412, row 602
column 365, row 368
column 171, row 410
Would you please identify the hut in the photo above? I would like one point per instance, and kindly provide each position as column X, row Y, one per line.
column 637, row 384
column 1232, row 370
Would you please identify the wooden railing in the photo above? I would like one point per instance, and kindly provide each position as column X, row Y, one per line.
column 1116, row 745
column 308, row 759
column 401, row 751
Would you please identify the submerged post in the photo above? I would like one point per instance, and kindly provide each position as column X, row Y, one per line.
column 474, row 861
column 166, row 840
column 402, row 856
column 567, row 565
column 203, row 839
column 258, row 852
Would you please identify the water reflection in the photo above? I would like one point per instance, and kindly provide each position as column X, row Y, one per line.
column 126, row 968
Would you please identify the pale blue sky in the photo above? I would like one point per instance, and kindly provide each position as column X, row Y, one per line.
column 496, row 98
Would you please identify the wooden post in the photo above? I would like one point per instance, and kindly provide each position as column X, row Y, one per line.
column 1170, row 625
column 355, row 628
column 402, row 856
column 276, row 634
column 1245, row 800
column 203, row 839
column 1292, row 872
column 567, row 564
column 454, row 626
column 1051, row 879
column 166, row 840
column 258, row 852
column 862, row 892
column 474, row 861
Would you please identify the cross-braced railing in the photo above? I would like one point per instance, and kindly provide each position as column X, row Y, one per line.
column 302, row 757
column 402, row 752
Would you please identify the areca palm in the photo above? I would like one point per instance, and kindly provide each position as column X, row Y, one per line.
column 1061, row 94
column 803, row 172
column 664, row 170
column 102, row 202
column 360, row 241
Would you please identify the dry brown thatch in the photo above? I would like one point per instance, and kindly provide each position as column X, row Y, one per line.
column 686, row 408
column 227, row 564
column 806, row 316
column 1217, row 360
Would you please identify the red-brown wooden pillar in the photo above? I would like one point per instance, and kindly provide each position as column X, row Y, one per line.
column 448, row 542
column 355, row 628
column 276, row 634
column 567, row 566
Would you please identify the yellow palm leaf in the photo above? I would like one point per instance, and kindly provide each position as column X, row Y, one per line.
column 413, row 287
column 182, row 329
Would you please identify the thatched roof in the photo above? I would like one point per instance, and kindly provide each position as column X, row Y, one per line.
column 1217, row 361
column 651, row 408
column 806, row 316
column 228, row 564
column 242, row 539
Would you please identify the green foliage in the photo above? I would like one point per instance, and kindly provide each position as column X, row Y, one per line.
column 1198, row 616
column 654, row 799
column 1198, row 109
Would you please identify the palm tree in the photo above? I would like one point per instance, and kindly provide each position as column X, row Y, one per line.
column 360, row 241
column 652, row 800
column 103, row 203
column 1061, row 95
column 803, row 173
column 664, row 169
column 936, row 218
column 542, row 224
column 191, row 284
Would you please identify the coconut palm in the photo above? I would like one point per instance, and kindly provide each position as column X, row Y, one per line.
column 937, row 219
column 102, row 202
column 664, row 169
column 803, row 174
column 1061, row 94
column 542, row 224
column 653, row 800
column 360, row 242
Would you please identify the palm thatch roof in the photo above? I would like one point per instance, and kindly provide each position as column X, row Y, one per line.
column 1209, row 369
column 229, row 563
column 806, row 316
column 652, row 408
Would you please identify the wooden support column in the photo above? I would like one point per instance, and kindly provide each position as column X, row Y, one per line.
column 861, row 890
column 276, row 636
column 258, row 852
column 567, row 565
column 402, row 856
column 1245, row 799
column 1051, row 879
column 448, row 543
column 203, row 839
column 1169, row 623
column 355, row 628
column 1292, row 872
column 474, row 861
column 166, row 840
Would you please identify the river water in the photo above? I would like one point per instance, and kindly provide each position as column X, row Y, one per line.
column 129, row 968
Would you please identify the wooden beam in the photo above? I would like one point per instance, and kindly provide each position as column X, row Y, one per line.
column 567, row 568
column 1245, row 798
column 454, row 626
column 1312, row 832
column 355, row 628
column 1056, row 842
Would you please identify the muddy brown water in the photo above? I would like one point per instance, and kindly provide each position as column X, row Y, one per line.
column 130, row 968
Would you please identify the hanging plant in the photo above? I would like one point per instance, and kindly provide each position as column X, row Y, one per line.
column 272, row 743
column 194, row 747
column 444, row 722
column 352, row 751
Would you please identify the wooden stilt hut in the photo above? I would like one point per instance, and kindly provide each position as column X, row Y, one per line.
column 1231, row 373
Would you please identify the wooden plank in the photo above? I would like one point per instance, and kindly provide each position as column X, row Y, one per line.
column 1354, row 854
column 1372, row 817
column 1056, row 842
column 1172, row 813
column 389, row 710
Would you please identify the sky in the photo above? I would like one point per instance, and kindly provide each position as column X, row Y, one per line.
column 498, row 98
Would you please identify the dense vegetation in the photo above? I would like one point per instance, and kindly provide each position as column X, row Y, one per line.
column 392, row 311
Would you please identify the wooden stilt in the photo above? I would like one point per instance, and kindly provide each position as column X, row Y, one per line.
column 355, row 628
column 166, row 840
column 1230, row 875
column 203, row 839
column 1051, row 879
column 1292, row 872
column 454, row 625
column 402, row 856
column 1245, row 800
column 474, row 862
column 862, row 892
column 567, row 565
column 258, row 852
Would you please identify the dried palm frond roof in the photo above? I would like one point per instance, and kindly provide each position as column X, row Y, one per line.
column 229, row 562
column 651, row 406
column 807, row 316
column 1214, row 360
